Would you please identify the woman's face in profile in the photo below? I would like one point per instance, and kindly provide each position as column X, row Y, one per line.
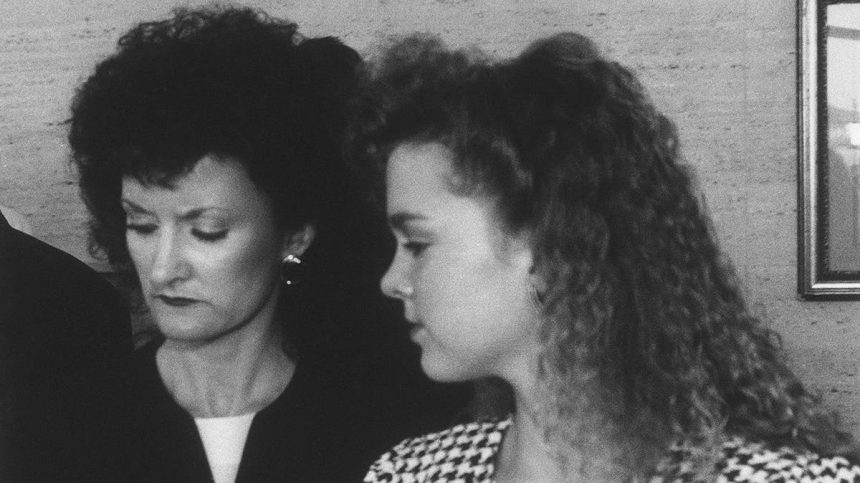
column 465, row 286
column 206, row 249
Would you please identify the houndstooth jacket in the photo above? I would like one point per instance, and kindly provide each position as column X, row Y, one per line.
column 466, row 454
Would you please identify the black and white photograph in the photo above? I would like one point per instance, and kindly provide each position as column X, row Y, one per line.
column 369, row 241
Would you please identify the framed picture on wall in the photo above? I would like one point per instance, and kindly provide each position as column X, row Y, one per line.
column 829, row 149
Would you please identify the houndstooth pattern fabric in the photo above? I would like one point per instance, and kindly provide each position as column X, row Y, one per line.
column 462, row 454
column 466, row 454
column 751, row 463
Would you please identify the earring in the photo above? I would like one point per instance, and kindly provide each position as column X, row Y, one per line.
column 291, row 270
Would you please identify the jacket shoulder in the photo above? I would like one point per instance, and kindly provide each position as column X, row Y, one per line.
column 746, row 461
column 465, row 451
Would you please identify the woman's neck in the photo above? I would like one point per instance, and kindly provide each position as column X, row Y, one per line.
column 239, row 373
column 526, row 455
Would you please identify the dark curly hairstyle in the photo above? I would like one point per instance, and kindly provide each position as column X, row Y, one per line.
column 646, row 336
column 235, row 83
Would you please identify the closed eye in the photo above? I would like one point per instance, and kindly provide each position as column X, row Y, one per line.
column 415, row 248
column 208, row 236
column 141, row 228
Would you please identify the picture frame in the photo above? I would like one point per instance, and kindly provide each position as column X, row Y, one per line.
column 828, row 112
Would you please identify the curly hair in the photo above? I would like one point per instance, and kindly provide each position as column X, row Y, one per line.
column 239, row 84
column 221, row 80
column 646, row 338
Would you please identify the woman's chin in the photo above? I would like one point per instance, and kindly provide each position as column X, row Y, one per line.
column 186, row 330
column 443, row 370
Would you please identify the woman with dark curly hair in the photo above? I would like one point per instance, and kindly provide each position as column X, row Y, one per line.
column 550, row 240
column 208, row 148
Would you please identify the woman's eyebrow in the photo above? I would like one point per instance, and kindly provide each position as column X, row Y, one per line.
column 134, row 206
column 198, row 212
column 400, row 219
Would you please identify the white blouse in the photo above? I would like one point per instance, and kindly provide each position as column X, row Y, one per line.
column 224, row 440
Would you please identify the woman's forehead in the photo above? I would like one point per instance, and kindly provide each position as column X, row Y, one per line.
column 418, row 174
column 423, row 185
column 212, row 181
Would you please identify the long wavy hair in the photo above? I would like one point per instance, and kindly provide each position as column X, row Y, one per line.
column 646, row 336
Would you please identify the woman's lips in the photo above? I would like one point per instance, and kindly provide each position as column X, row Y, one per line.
column 175, row 301
column 414, row 328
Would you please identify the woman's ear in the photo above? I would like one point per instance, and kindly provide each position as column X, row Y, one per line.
column 297, row 242
column 538, row 283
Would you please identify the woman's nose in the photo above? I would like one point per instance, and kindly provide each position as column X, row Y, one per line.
column 169, row 263
column 394, row 282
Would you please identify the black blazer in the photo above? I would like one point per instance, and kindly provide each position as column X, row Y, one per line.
column 326, row 427
column 318, row 430
column 65, row 367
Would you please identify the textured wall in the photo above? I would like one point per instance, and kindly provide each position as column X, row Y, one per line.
column 723, row 69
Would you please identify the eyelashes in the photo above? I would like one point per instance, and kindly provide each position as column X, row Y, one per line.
column 140, row 229
column 415, row 248
column 206, row 236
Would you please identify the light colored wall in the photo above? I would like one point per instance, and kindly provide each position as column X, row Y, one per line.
column 723, row 69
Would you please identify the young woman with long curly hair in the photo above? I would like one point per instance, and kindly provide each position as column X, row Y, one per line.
column 550, row 238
